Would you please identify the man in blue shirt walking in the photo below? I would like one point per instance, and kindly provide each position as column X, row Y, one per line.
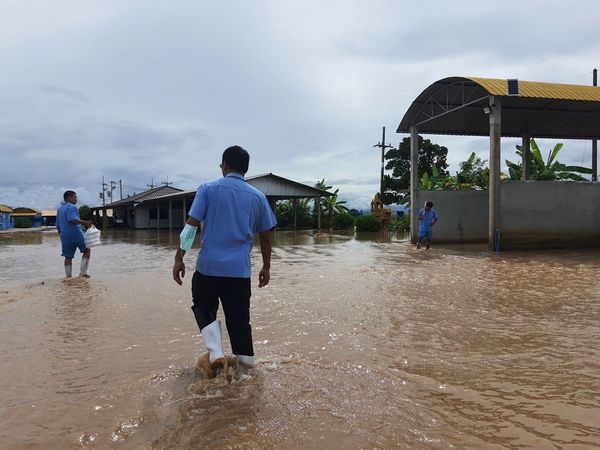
column 68, row 224
column 427, row 218
column 231, row 213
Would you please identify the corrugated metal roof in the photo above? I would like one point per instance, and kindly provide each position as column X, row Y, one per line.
column 273, row 186
column 454, row 106
column 146, row 195
column 283, row 188
column 539, row 89
column 4, row 208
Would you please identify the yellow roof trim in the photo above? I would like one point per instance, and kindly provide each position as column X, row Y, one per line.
column 538, row 89
column 4, row 208
column 25, row 214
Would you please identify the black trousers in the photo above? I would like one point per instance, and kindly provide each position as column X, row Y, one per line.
column 234, row 294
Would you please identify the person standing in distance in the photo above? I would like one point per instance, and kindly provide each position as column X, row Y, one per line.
column 68, row 224
column 231, row 213
column 427, row 218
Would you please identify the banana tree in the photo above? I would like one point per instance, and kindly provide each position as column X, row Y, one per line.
column 333, row 206
column 547, row 170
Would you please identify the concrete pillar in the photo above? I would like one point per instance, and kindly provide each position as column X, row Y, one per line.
column 158, row 215
column 170, row 215
column 295, row 214
column 414, row 183
column 594, row 160
column 318, row 206
column 495, row 154
column 526, row 146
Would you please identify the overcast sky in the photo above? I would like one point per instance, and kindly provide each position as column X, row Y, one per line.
column 135, row 90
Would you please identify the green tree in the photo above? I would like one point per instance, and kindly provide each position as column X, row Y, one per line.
column 473, row 173
column 324, row 187
column 85, row 212
column 368, row 222
column 329, row 206
column 284, row 212
column 333, row 206
column 342, row 221
column 547, row 170
column 396, row 185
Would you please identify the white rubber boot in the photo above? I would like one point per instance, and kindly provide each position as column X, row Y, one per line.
column 246, row 361
column 212, row 339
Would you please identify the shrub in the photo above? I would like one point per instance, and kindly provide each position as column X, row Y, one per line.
column 368, row 222
column 23, row 223
column 85, row 212
column 401, row 224
column 342, row 221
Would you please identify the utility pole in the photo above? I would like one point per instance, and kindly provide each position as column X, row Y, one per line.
column 121, row 189
column 595, row 141
column 113, row 185
column 383, row 147
column 104, row 189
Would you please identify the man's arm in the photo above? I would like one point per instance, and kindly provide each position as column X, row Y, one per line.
column 178, row 265
column 265, row 249
column 86, row 223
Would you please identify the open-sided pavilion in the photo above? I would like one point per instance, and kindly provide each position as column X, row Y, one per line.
column 522, row 213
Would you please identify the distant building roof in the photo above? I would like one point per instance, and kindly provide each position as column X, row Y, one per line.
column 273, row 186
column 280, row 188
column 4, row 208
column 48, row 213
column 25, row 212
column 150, row 194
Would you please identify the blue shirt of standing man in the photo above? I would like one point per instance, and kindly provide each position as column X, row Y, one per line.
column 231, row 213
column 427, row 218
column 68, row 225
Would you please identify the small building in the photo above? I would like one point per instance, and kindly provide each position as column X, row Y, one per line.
column 6, row 219
column 134, row 211
column 49, row 217
column 167, row 207
column 32, row 215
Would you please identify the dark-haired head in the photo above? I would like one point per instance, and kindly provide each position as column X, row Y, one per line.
column 236, row 159
column 68, row 194
column 429, row 204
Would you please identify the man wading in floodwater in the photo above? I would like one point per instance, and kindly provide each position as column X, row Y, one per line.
column 427, row 218
column 68, row 224
column 231, row 212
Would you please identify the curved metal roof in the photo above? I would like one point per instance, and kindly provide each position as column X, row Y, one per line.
column 454, row 106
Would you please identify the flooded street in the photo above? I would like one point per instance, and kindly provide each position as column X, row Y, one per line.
column 361, row 344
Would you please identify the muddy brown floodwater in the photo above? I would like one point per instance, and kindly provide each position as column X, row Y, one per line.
column 361, row 343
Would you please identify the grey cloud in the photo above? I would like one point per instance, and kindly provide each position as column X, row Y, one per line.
column 356, row 181
column 69, row 94
column 97, row 88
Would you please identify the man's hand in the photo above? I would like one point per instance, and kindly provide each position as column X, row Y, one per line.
column 178, row 271
column 88, row 223
column 263, row 277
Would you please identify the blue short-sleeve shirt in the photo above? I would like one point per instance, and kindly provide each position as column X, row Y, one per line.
column 427, row 218
column 232, row 212
column 69, row 232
